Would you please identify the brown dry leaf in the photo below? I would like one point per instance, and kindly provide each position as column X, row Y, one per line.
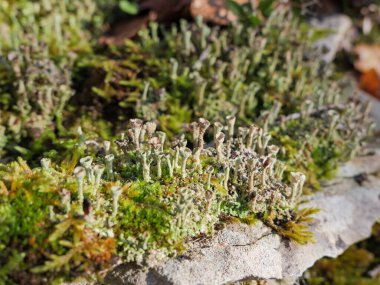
column 215, row 10
column 370, row 83
column 166, row 10
column 125, row 29
column 211, row 10
column 368, row 58
column 150, row 10
column 368, row 63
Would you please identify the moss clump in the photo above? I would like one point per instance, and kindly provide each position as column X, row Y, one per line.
column 63, row 26
column 296, row 228
column 41, row 42
column 142, row 195
column 30, row 235
column 141, row 200
column 262, row 74
column 33, row 93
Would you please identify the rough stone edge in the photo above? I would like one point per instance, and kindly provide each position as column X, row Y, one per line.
column 341, row 34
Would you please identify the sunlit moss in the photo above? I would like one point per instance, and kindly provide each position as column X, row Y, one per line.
column 141, row 201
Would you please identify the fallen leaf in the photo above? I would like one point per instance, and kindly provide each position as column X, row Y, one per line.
column 149, row 10
column 166, row 10
column 368, row 58
column 370, row 83
column 214, row 11
column 122, row 30
column 368, row 63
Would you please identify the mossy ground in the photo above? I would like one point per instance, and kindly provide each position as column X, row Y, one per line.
column 55, row 78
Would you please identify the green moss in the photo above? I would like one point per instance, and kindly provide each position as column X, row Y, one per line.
column 64, row 26
column 144, row 206
column 30, row 234
column 296, row 228
column 156, row 195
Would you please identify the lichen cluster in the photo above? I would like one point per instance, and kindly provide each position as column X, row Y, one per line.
column 261, row 75
column 40, row 41
column 88, row 193
column 141, row 197
column 63, row 26
column 34, row 91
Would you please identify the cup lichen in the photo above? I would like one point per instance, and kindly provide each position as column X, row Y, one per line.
column 141, row 195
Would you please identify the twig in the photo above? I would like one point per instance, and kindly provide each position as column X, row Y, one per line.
column 315, row 112
column 202, row 57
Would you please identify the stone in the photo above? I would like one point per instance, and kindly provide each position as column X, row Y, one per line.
column 370, row 165
column 340, row 35
column 249, row 252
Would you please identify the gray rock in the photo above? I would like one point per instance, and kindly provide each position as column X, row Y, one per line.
column 243, row 252
column 340, row 36
column 370, row 165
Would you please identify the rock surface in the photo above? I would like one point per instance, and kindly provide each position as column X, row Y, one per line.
column 340, row 35
column 243, row 252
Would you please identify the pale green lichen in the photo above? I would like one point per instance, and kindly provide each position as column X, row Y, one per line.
column 263, row 74
column 142, row 196
column 141, row 206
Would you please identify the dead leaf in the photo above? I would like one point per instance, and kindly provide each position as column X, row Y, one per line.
column 128, row 28
column 214, row 10
column 150, row 10
column 368, row 63
column 166, row 10
column 211, row 10
column 368, row 58
column 370, row 83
